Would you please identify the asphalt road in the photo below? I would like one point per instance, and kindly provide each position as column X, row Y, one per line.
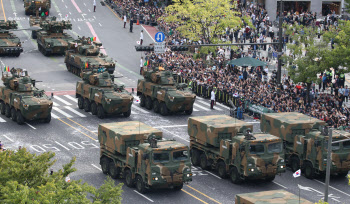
column 73, row 132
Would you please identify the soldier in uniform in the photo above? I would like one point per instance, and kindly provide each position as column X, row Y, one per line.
column 342, row 79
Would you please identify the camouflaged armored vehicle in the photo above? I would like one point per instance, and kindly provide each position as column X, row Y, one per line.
column 21, row 100
column 223, row 143
column 84, row 53
column 270, row 197
column 52, row 39
column 137, row 152
column 10, row 44
column 31, row 6
column 306, row 143
column 98, row 93
column 158, row 91
column 34, row 21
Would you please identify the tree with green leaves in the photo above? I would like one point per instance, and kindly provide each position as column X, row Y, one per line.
column 24, row 178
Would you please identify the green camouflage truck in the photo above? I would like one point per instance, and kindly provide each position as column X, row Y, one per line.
column 34, row 21
column 31, row 6
column 158, row 91
column 136, row 151
column 10, row 44
column 305, row 142
column 270, row 197
column 21, row 100
column 223, row 143
column 99, row 94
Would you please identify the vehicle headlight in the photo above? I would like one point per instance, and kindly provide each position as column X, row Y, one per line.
column 155, row 178
column 25, row 106
column 188, row 175
column 251, row 170
column 108, row 99
column 282, row 167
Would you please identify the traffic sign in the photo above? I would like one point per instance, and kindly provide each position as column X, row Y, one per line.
column 159, row 47
column 159, row 37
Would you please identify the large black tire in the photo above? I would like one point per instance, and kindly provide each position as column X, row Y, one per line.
column 195, row 157
column 164, row 111
column 235, row 176
column 93, row 108
column 140, row 185
column 203, row 162
column 7, row 111
column 87, row 104
column 48, row 119
column 100, row 112
column 309, row 170
column 113, row 171
column 270, row 178
column 128, row 178
column 178, row 188
column 142, row 100
column 149, row 103
column 156, row 106
column 80, row 102
column 20, row 119
column 127, row 113
column 221, row 167
column 13, row 114
column 294, row 164
column 104, row 164
column 189, row 112
column 2, row 108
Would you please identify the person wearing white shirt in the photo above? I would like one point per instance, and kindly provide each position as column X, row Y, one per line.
column 141, row 37
column 94, row 5
column 124, row 20
column 212, row 99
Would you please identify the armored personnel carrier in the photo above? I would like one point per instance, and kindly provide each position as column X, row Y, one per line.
column 10, row 44
column 31, row 6
column 34, row 21
column 270, row 197
column 21, row 100
column 137, row 152
column 98, row 93
column 158, row 91
column 52, row 39
column 85, row 53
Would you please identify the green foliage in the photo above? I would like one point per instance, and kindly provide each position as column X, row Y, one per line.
column 321, row 202
column 24, row 178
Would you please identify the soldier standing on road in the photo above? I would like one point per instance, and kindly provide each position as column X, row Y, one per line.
column 131, row 25
column 141, row 37
column 212, row 99
column 94, row 5
column 124, row 20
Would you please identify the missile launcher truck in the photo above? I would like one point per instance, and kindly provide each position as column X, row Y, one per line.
column 227, row 145
column 306, row 141
column 21, row 100
column 158, row 91
column 136, row 151
column 266, row 197
column 10, row 44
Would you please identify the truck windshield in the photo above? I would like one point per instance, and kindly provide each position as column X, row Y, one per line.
column 161, row 157
column 257, row 149
column 274, row 148
column 346, row 145
column 180, row 155
column 335, row 146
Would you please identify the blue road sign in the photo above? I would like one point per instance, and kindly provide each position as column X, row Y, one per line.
column 159, row 37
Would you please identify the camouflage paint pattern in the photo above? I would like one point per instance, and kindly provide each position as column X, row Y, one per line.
column 34, row 21
column 20, row 94
column 304, row 140
column 10, row 44
column 31, row 6
column 99, row 88
column 160, row 86
column 270, row 197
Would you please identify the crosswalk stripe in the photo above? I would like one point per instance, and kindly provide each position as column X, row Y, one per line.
column 63, row 101
column 133, row 112
column 55, row 104
column 195, row 109
column 139, row 109
column 71, row 98
column 74, row 111
column 2, row 120
column 202, row 102
column 54, row 116
column 62, row 112
column 201, row 107
column 223, row 106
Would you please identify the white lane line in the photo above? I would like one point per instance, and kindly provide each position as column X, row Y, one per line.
column 70, row 13
column 94, row 17
column 212, row 174
column 62, row 112
column 96, row 167
column 7, row 138
column 333, row 188
column 61, row 145
column 75, row 111
column 100, row 24
column 148, row 33
column 336, row 200
column 202, row 102
column 62, row 100
column 79, row 28
column 30, row 125
column 66, row 6
column 2, row 120
column 139, row 109
column 54, row 116
column 84, row 4
column 133, row 112
column 94, row 131
column 201, row 107
column 89, row 10
column 71, row 98
column 174, row 134
column 170, row 126
column 55, row 104
column 279, row 184
column 144, row 196
column 223, row 106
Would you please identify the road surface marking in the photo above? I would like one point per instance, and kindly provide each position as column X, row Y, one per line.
column 223, row 106
column 77, row 129
column 7, row 138
column 94, row 34
column 99, row 24
column 195, row 109
column 3, row 10
column 2, row 120
column 54, row 116
column 66, row 6
column 96, row 167
column 84, row 4
column 71, row 98
column 279, row 184
column 81, row 126
column 148, row 33
column 55, row 104
column 144, row 196
column 194, row 196
column 139, row 109
column 30, row 126
column 62, row 112
column 134, row 113
column 212, row 174
column 62, row 100
column 89, row 10
column 174, row 134
column 79, row 28
column 202, row 107
column 203, row 194
column 75, row 111
column 61, row 145
column 76, row 6
column 332, row 187
column 202, row 102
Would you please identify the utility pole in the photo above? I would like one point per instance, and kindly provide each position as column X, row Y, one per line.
column 279, row 68
column 329, row 162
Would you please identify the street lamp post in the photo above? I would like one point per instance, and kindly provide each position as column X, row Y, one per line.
column 329, row 162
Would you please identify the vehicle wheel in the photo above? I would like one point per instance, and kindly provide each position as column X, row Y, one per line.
column 221, row 169
column 149, row 103
column 128, row 178
column 163, row 109
column 140, row 185
column 270, row 178
column 294, row 164
column 80, row 102
column 177, row 188
column 100, row 112
column 189, row 112
column 203, row 162
column 234, row 176
column 13, row 114
column 87, row 105
column 104, row 164
column 156, row 106
column 48, row 119
column 2, row 108
column 93, row 108
column 195, row 157
column 8, row 111
column 127, row 113
column 20, row 119
column 142, row 100
column 309, row 170
column 113, row 170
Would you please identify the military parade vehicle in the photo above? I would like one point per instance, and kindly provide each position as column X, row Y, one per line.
column 31, row 6
column 21, row 100
column 136, row 151
column 265, row 197
column 34, row 21
column 306, row 142
column 100, row 95
column 52, row 39
column 226, row 144
column 84, row 53
column 10, row 44
column 158, row 91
